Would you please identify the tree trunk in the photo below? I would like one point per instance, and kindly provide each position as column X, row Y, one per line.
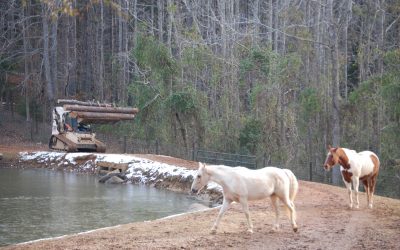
column 335, row 88
column 101, row 63
column 46, row 54
column 54, row 49
column 25, row 24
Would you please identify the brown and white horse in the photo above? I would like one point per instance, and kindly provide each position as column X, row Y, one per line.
column 354, row 167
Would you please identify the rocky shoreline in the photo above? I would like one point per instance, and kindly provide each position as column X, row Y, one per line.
column 139, row 171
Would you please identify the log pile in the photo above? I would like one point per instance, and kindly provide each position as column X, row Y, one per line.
column 92, row 112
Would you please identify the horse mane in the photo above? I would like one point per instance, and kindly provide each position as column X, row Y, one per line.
column 343, row 157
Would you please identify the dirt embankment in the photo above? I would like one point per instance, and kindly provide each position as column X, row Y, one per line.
column 324, row 220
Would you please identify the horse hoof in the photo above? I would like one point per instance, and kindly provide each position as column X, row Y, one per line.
column 370, row 206
column 250, row 231
column 213, row 231
column 295, row 229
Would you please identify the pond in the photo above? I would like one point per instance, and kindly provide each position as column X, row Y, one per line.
column 40, row 203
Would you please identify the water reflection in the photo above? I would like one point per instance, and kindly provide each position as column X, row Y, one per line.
column 37, row 203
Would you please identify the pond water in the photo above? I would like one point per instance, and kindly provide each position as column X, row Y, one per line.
column 39, row 203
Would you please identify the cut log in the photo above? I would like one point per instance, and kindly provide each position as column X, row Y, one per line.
column 69, row 101
column 101, row 109
column 95, row 117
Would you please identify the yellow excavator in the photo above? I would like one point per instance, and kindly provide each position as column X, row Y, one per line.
column 72, row 119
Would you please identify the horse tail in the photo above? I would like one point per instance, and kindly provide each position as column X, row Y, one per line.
column 294, row 184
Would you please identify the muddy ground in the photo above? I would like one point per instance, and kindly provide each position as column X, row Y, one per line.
column 324, row 222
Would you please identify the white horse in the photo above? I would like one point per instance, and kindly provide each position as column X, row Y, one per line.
column 240, row 184
column 355, row 166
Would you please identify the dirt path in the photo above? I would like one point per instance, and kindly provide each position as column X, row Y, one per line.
column 323, row 218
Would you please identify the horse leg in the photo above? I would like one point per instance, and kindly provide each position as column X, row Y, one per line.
column 356, row 183
column 275, row 205
column 373, row 184
column 367, row 185
column 348, row 186
column 225, row 205
column 245, row 207
column 292, row 212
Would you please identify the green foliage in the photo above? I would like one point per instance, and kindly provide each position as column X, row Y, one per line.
column 148, row 100
column 391, row 97
column 391, row 84
column 6, row 65
column 365, row 94
column 152, row 86
column 310, row 103
column 257, row 60
column 250, row 135
column 391, row 138
column 196, row 58
column 153, row 56
column 182, row 102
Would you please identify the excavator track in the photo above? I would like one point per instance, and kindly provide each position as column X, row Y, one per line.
column 100, row 147
column 61, row 143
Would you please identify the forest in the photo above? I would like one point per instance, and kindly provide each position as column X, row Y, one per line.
column 282, row 79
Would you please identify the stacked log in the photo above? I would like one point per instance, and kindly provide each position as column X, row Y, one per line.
column 97, row 117
column 101, row 109
column 76, row 102
column 91, row 112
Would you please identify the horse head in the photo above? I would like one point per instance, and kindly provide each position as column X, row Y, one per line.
column 201, row 179
column 331, row 159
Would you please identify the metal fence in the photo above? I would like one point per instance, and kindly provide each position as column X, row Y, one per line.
column 227, row 159
column 388, row 184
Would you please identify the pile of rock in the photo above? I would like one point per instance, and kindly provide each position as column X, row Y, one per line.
column 114, row 177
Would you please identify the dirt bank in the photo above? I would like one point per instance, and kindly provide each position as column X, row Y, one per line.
column 324, row 222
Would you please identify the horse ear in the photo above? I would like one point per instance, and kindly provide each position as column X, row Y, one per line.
column 329, row 147
column 201, row 165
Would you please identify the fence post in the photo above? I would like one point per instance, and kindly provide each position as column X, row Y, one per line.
column 310, row 171
column 157, row 145
column 193, row 148
column 125, row 144
column 264, row 160
column 30, row 124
